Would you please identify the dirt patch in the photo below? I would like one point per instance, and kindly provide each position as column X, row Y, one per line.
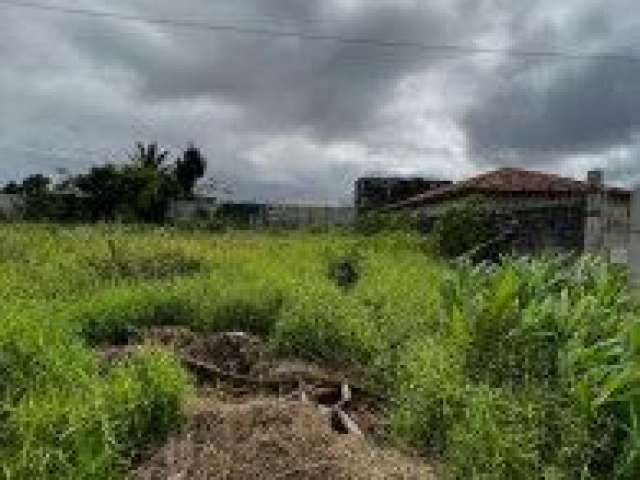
column 239, row 366
column 233, row 352
column 271, row 439
column 267, row 418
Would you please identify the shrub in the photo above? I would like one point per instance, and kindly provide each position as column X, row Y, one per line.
column 344, row 265
column 467, row 228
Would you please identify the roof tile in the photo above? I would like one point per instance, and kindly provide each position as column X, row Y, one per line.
column 509, row 180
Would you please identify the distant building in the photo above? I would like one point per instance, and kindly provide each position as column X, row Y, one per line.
column 372, row 193
column 551, row 211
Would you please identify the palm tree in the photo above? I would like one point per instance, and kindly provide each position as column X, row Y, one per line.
column 150, row 156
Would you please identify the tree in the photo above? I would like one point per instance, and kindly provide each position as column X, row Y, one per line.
column 140, row 189
column 189, row 169
column 12, row 188
column 149, row 191
column 149, row 156
column 36, row 185
column 106, row 190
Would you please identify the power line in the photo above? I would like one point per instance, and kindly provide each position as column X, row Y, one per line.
column 321, row 37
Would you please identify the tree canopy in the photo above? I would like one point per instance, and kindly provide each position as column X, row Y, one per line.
column 139, row 189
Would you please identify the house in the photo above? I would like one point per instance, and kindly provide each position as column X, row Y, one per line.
column 550, row 210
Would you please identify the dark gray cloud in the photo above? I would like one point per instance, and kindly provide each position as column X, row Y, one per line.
column 284, row 117
column 542, row 112
column 585, row 107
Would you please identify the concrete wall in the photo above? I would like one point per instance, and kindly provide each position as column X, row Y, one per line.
column 199, row 208
column 634, row 237
column 272, row 215
column 296, row 216
column 608, row 225
column 11, row 206
column 617, row 227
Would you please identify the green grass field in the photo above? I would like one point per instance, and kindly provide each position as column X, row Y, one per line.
column 525, row 370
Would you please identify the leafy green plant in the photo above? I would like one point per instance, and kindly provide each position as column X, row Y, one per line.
column 467, row 228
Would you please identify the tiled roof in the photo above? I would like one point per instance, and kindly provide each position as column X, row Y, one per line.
column 509, row 181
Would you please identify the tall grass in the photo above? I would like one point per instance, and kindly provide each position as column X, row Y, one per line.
column 523, row 369
column 61, row 417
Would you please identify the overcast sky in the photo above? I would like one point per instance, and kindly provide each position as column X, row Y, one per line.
column 290, row 118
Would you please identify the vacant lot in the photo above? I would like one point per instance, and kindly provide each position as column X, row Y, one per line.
column 524, row 370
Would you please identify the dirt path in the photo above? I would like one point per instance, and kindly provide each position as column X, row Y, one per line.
column 256, row 417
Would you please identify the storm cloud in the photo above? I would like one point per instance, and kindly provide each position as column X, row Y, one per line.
column 284, row 116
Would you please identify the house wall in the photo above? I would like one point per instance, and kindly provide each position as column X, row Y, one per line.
column 541, row 223
column 608, row 225
column 594, row 223
column 617, row 227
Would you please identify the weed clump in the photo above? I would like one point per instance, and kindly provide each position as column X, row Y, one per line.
column 62, row 418
column 344, row 265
